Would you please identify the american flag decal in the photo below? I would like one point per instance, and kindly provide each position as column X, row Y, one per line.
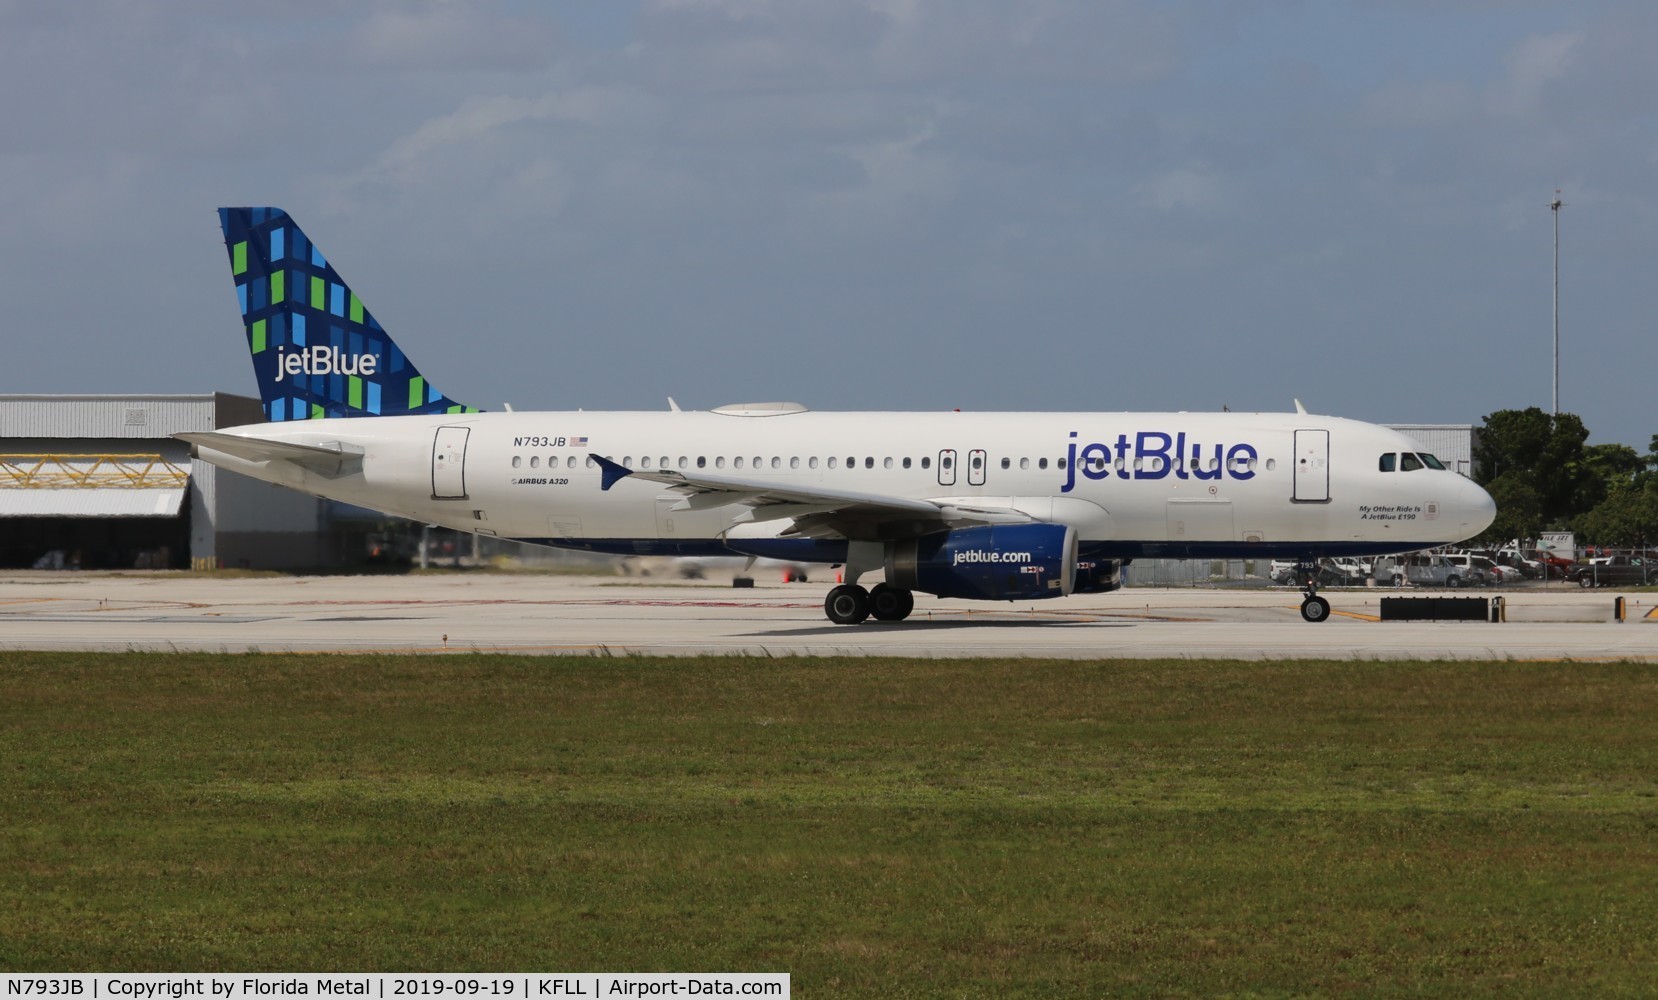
column 578, row 442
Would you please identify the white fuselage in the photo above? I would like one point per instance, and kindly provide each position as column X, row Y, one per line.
column 1131, row 484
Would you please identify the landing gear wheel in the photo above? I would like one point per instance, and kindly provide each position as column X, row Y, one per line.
column 890, row 604
column 1315, row 609
column 847, row 604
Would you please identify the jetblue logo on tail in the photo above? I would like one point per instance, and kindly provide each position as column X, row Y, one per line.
column 316, row 348
column 322, row 360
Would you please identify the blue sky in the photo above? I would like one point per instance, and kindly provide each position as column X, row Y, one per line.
column 857, row 204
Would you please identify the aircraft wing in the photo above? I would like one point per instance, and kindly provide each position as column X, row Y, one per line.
column 816, row 512
column 331, row 459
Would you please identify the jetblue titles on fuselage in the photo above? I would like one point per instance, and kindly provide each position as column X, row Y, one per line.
column 1156, row 455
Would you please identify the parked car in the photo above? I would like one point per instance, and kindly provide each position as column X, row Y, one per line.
column 1525, row 561
column 1613, row 571
column 1344, row 571
column 1426, row 569
column 1468, row 572
column 1559, row 566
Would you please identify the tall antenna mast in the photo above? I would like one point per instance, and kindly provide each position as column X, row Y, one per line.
column 1554, row 206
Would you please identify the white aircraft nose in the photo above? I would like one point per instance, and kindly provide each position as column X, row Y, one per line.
column 1478, row 509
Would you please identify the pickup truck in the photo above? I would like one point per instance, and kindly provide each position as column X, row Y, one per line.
column 1615, row 571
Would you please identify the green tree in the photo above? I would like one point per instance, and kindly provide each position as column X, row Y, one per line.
column 1519, row 509
column 1627, row 517
column 1544, row 453
column 1603, row 469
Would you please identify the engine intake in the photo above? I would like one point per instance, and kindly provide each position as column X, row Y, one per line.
column 994, row 562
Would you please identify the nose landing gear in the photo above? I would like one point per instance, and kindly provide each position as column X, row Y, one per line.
column 1313, row 607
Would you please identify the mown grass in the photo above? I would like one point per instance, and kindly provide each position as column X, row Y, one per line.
column 886, row 827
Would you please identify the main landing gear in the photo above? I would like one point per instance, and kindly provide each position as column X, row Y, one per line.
column 1313, row 608
column 849, row 604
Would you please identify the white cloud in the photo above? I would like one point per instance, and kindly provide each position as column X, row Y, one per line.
column 1531, row 67
column 1189, row 188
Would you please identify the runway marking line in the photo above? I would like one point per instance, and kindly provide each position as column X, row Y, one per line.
column 1356, row 615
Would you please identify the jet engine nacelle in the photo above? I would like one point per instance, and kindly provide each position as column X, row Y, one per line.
column 995, row 562
column 1099, row 576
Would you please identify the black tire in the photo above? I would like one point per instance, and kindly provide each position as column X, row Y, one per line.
column 890, row 604
column 1453, row 582
column 1585, row 581
column 847, row 604
column 1315, row 609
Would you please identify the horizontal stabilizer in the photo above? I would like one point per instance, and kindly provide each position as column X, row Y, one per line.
column 333, row 459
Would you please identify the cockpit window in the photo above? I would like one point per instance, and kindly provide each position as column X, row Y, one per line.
column 1410, row 463
column 1387, row 462
column 1431, row 462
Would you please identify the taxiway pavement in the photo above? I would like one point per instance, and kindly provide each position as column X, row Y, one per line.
column 529, row 613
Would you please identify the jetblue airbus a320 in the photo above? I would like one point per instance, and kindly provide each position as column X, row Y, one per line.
column 986, row 506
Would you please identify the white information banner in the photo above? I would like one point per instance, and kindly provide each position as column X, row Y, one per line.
column 390, row 986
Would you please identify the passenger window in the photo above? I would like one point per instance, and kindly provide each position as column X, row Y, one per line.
column 776, row 463
column 1062, row 463
column 1272, row 463
column 590, row 463
column 886, row 463
column 948, row 462
column 869, row 463
column 1387, row 462
column 737, row 462
column 719, row 463
column 831, row 461
column 683, row 461
column 702, row 462
column 851, row 463
column 906, row 463
column 1432, row 462
column 1024, row 463
column 759, row 463
column 643, row 462
column 1007, row 463
column 978, row 462
column 926, row 461
column 811, row 463
column 1041, row 463
column 794, row 462
column 517, row 460
column 1410, row 463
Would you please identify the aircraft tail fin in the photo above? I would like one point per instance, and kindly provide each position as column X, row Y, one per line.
column 317, row 352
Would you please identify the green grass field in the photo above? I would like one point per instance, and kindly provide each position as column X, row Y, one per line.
column 889, row 827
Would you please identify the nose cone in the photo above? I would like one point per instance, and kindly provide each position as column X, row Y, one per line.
column 1478, row 509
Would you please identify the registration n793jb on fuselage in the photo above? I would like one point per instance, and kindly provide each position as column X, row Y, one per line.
column 986, row 506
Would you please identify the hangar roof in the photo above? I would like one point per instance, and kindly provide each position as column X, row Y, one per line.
column 144, row 415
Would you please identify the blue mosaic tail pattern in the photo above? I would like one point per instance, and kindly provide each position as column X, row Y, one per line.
column 316, row 351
